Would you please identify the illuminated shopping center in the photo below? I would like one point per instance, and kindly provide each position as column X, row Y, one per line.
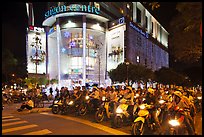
column 85, row 40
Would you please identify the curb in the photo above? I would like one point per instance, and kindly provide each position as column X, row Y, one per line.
column 34, row 110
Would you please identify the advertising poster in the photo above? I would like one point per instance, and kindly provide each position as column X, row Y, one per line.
column 36, row 50
column 115, row 47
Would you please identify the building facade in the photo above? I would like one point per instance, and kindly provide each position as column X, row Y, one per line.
column 86, row 40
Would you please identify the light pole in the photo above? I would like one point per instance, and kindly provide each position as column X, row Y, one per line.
column 127, row 64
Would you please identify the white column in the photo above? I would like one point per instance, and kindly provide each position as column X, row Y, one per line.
column 84, row 51
column 58, row 51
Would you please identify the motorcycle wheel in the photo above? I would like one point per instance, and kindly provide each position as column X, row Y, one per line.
column 41, row 104
column 99, row 115
column 137, row 128
column 172, row 132
column 82, row 110
column 118, row 121
column 55, row 109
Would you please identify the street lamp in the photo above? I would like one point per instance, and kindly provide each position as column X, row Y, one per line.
column 127, row 64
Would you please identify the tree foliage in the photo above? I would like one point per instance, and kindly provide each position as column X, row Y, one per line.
column 169, row 76
column 135, row 72
column 185, row 40
column 9, row 62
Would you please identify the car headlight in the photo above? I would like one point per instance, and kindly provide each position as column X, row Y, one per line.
column 161, row 101
column 174, row 122
column 87, row 97
column 103, row 98
column 199, row 98
column 142, row 106
column 119, row 110
column 71, row 102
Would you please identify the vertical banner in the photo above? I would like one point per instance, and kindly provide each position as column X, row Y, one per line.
column 36, row 50
column 115, row 47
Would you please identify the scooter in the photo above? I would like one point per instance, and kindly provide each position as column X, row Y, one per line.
column 175, row 120
column 104, row 111
column 123, row 115
column 85, row 106
column 144, row 118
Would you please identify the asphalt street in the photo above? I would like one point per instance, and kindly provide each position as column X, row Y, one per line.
column 43, row 122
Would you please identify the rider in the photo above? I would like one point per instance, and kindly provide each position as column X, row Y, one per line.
column 190, row 100
column 129, row 96
column 178, row 100
column 151, row 99
column 95, row 96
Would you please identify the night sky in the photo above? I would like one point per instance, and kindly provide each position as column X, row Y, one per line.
column 15, row 21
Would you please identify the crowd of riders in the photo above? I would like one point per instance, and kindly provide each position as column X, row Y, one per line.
column 177, row 96
column 187, row 101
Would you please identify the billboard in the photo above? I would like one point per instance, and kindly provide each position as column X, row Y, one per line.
column 36, row 50
column 115, row 47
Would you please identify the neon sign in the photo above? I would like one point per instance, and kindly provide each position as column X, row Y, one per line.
column 139, row 30
column 72, row 8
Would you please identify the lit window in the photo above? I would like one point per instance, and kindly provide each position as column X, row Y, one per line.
column 138, row 59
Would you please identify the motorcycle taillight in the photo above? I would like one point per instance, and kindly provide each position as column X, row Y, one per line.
column 181, row 119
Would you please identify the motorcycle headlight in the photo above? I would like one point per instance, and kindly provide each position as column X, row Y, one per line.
column 103, row 98
column 199, row 98
column 142, row 106
column 87, row 97
column 70, row 103
column 161, row 101
column 119, row 110
column 174, row 123
column 56, row 101
column 136, row 95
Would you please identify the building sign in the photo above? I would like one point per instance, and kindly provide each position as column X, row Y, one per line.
column 36, row 29
column 115, row 47
column 73, row 8
column 139, row 30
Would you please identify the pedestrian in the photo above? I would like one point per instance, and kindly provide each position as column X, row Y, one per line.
column 28, row 105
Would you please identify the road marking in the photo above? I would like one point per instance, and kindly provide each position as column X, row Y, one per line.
column 7, row 117
column 17, row 128
column 40, row 132
column 95, row 125
column 6, row 120
column 14, row 123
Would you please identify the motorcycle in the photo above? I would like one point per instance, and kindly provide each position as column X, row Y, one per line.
column 161, row 110
column 175, row 120
column 86, row 106
column 61, row 105
column 56, row 106
column 104, row 111
column 123, row 115
column 143, row 118
column 198, row 103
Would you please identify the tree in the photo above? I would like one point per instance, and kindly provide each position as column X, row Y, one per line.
column 135, row 72
column 154, row 5
column 169, row 76
column 9, row 62
column 185, row 40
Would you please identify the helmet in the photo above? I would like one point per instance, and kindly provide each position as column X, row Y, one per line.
column 130, row 88
column 151, row 90
column 95, row 88
column 178, row 93
column 179, row 88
